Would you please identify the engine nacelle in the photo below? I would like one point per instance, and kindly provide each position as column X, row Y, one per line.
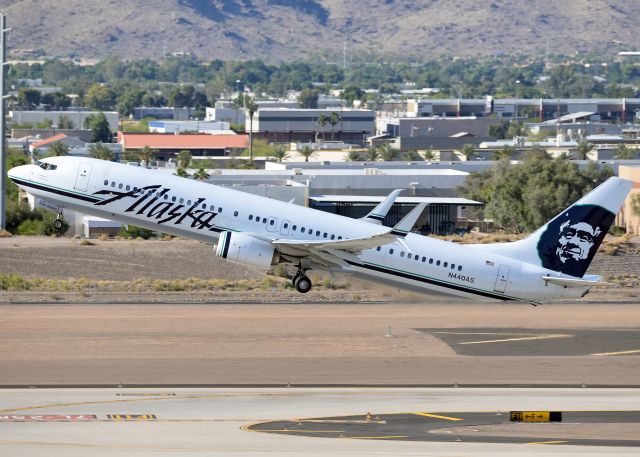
column 243, row 248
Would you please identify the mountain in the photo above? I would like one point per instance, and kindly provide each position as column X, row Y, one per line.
column 276, row 30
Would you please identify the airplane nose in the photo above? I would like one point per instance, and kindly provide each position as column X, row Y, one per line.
column 22, row 172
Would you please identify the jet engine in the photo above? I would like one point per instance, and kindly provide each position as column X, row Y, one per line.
column 243, row 248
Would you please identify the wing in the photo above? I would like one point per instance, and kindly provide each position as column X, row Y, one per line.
column 352, row 245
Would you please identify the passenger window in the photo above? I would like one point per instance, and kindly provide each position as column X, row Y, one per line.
column 310, row 231
column 182, row 200
column 166, row 196
column 401, row 253
column 317, row 232
column 235, row 214
column 430, row 261
column 294, row 228
column 204, row 206
column 189, row 202
column 445, row 264
column 453, row 266
column 250, row 217
column 272, row 222
column 128, row 187
column 438, row 263
column 378, row 248
column 333, row 237
column 113, row 184
column 286, row 225
column 390, row 251
column 219, row 209
column 135, row 189
column 212, row 208
column 339, row 237
column 106, row 182
column 324, row 235
column 301, row 229
column 459, row 267
column 173, row 199
column 416, row 257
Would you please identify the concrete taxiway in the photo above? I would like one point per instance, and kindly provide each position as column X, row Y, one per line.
column 218, row 422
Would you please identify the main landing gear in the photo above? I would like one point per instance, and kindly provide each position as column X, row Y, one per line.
column 301, row 281
column 57, row 223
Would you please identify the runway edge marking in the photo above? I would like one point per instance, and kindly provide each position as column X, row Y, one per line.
column 437, row 416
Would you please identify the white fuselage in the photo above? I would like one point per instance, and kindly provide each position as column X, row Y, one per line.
column 201, row 211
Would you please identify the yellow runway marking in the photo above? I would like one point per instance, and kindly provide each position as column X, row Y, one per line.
column 436, row 416
column 298, row 431
column 547, row 442
column 635, row 351
column 342, row 421
column 539, row 337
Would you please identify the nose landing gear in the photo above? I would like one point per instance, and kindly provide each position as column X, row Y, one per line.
column 301, row 281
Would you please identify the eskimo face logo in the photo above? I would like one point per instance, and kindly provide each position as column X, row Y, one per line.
column 576, row 241
column 572, row 239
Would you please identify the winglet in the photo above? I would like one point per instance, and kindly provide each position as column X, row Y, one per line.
column 377, row 214
column 403, row 227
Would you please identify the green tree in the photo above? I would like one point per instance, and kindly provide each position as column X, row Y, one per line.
column 58, row 149
column 624, row 152
column 504, row 152
column 467, row 150
column 388, row 153
column 353, row 156
column 56, row 100
column 184, row 159
column 99, row 127
column 635, row 209
column 182, row 173
column 429, row 155
column 306, row 152
column 280, row 153
column 201, row 174
column 308, row 99
column 44, row 124
column 28, row 98
column 145, row 155
column 100, row 98
column 128, row 100
column 100, row 151
column 65, row 123
column 334, row 118
column 373, row 154
column 252, row 108
column 412, row 156
column 351, row 94
column 583, row 148
column 322, row 121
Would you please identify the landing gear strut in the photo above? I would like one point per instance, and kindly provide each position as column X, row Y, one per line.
column 301, row 281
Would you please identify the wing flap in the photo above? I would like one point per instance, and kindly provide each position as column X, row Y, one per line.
column 350, row 245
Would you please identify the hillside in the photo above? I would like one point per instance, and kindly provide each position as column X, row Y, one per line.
column 285, row 29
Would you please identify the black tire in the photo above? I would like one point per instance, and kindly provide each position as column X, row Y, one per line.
column 302, row 284
column 57, row 224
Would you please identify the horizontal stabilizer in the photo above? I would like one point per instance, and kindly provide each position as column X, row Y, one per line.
column 567, row 282
column 403, row 227
column 377, row 214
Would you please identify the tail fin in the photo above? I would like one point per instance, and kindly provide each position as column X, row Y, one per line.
column 568, row 242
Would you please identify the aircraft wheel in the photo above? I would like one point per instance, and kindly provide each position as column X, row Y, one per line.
column 57, row 224
column 302, row 284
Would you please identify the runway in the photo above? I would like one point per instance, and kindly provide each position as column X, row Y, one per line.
column 216, row 422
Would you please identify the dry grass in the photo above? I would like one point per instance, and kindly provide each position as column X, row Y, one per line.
column 5, row 234
column 482, row 238
column 612, row 245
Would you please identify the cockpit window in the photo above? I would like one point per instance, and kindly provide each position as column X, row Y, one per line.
column 45, row 165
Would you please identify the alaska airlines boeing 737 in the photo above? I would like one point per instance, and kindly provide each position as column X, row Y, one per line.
column 550, row 263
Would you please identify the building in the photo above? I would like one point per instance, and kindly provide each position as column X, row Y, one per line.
column 279, row 125
column 628, row 218
column 70, row 141
column 162, row 112
column 166, row 145
column 605, row 109
column 77, row 117
column 189, row 126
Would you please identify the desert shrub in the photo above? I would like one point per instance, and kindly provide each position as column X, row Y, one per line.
column 133, row 232
column 13, row 282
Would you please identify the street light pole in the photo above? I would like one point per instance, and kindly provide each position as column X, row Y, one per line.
column 517, row 96
column 3, row 142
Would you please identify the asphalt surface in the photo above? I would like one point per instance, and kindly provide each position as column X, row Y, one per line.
column 525, row 342
column 455, row 427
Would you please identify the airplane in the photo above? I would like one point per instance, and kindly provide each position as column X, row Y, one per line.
column 262, row 232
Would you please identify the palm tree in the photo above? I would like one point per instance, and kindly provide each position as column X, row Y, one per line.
column 252, row 107
column 334, row 118
column 58, row 149
column 322, row 121
column 429, row 155
column 353, row 156
column 184, row 159
column 200, row 174
column 280, row 153
column 624, row 152
column 100, row 151
column 182, row 173
column 582, row 149
column 412, row 156
column 504, row 152
column 635, row 208
column 388, row 152
column 468, row 150
column 145, row 155
column 373, row 154
column 306, row 152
